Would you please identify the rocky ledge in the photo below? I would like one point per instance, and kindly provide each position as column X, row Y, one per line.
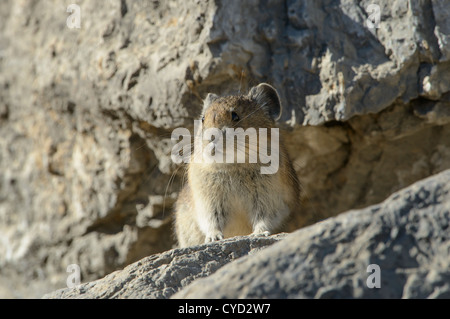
column 399, row 248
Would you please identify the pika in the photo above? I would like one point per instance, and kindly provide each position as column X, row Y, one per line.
column 221, row 200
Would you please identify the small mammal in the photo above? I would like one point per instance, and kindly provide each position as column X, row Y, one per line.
column 222, row 200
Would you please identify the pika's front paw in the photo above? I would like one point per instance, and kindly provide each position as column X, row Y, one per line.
column 214, row 237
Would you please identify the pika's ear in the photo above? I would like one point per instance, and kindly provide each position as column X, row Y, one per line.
column 267, row 97
column 210, row 98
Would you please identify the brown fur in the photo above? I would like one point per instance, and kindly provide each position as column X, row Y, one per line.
column 225, row 200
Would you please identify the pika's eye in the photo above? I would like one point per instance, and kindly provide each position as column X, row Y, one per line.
column 234, row 116
column 203, row 119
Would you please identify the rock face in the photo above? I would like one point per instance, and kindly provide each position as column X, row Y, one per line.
column 406, row 237
column 86, row 114
column 162, row 275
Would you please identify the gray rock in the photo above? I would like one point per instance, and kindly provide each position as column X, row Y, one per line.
column 407, row 237
column 162, row 275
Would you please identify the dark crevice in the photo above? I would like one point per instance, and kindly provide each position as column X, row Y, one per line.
column 123, row 8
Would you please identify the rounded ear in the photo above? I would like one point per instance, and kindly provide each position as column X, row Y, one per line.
column 210, row 98
column 266, row 96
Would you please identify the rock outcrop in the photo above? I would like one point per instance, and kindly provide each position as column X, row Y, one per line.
column 162, row 275
column 407, row 237
column 86, row 114
column 405, row 241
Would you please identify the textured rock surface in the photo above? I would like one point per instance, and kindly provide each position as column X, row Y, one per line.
column 160, row 276
column 407, row 236
column 86, row 114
